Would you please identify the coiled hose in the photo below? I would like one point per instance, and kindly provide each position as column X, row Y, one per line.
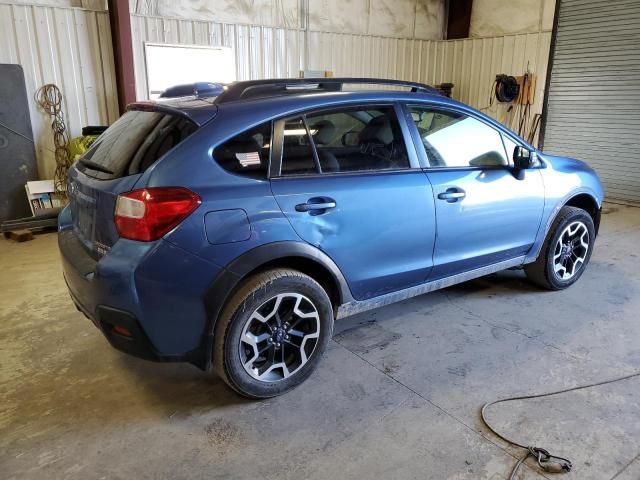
column 49, row 98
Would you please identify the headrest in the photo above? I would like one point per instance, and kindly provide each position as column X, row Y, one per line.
column 325, row 132
column 377, row 130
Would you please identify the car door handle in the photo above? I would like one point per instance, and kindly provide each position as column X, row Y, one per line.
column 316, row 205
column 452, row 194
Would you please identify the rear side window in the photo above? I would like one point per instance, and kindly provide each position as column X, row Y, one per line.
column 246, row 154
column 133, row 143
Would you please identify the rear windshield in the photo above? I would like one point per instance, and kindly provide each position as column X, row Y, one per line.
column 134, row 142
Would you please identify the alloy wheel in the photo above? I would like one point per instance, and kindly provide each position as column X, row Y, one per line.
column 279, row 337
column 571, row 250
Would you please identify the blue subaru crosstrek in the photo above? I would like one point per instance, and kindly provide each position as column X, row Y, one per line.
column 230, row 231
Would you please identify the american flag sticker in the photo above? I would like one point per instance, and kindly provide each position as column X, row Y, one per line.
column 248, row 159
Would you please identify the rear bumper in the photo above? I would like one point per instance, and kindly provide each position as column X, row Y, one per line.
column 136, row 344
column 153, row 290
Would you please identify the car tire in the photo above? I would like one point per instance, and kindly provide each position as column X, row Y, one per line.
column 564, row 257
column 285, row 310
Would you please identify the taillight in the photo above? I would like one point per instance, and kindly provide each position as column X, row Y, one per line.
column 149, row 213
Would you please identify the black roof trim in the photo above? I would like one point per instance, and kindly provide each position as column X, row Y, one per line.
column 196, row 110
column 283, row 86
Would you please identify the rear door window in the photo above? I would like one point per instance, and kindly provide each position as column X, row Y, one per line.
column 344, row 140
column 358, row 139
column 133, row 143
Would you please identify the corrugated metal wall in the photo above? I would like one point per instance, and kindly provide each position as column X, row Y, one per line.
column 472, row 65
column 263, row 52
column 594, row 92
column 70, row 47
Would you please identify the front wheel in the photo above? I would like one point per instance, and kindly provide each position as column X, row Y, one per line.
column 272, row 333
column 565, row 252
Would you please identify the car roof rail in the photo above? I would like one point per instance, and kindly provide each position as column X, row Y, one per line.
column 245, row 90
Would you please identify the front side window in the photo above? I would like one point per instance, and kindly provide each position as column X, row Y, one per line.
column 246, row 154
column 452, row 139
column 509, row 146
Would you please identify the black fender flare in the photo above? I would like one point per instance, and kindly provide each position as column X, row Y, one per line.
column 597, row 214
column 225, row 283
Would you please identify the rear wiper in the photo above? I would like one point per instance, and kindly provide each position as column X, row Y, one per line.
column 95, row 166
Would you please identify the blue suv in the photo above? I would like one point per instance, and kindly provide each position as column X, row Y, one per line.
column 230, row 231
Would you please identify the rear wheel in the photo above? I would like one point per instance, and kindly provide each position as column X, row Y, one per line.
column 272, row 333
column 565, row 252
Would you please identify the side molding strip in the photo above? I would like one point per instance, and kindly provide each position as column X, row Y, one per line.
column 355, row 307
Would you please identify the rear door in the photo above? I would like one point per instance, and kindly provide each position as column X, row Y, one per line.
column 113, row 165
column 486, row 213
column 349, row 185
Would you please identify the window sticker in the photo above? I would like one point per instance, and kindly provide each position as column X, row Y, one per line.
column 248, row 159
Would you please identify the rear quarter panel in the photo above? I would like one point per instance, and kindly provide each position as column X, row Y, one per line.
column 191, row 165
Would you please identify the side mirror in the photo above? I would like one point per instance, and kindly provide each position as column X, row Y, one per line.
column 523, row 158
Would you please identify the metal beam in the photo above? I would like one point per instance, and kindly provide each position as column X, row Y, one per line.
column 547, row 83
column 120, row 21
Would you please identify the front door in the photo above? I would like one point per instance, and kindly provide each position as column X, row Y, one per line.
column 349, row 185
column 486, row 213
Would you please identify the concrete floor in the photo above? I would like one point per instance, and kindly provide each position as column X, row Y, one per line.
column 397, row 395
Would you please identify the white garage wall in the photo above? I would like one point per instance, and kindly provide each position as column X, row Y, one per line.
column 423, row 19
column 263, row 52
column 260, row 52
column 472, row 65
column 497, row 17
column 70, row 47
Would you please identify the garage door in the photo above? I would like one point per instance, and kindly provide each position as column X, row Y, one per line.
column 593, row 104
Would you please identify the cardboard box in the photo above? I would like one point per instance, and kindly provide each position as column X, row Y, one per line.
column 42, row 197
